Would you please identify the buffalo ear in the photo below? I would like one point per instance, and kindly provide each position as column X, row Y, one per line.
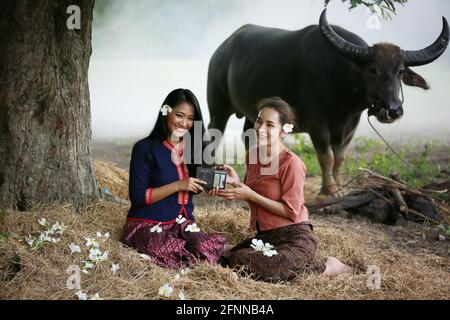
column 410, row 78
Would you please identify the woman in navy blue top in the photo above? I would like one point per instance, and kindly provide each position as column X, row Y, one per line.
column 160, row 222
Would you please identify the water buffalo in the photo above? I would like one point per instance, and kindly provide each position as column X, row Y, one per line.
column 328, row 74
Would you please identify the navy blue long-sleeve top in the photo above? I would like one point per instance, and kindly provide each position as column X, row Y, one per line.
column 151, row 167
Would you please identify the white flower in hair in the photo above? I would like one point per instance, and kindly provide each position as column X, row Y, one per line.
column 166, row 109
column 288, row 127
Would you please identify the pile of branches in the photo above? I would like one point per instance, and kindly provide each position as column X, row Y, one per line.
column 386, row 200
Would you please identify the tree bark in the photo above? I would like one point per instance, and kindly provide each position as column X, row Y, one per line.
column 45, row 119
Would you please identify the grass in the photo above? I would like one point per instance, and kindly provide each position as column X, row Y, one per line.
column 375, row 156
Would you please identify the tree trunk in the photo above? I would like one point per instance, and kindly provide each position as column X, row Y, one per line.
column 45, row 120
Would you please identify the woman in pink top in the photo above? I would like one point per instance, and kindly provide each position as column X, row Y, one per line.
column 273, row 187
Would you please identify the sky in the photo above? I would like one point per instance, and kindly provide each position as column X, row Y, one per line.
column 142, row 50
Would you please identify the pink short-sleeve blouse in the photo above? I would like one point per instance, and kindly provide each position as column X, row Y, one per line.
column 284, row 184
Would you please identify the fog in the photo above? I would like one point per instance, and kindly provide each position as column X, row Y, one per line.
column 144, row 49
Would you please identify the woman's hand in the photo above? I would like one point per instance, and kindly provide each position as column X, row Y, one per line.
column 213, row 192
column 191, row 184
column 240, row 192
column 232, row 176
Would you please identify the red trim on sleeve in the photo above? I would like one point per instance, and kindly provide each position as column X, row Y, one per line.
column 148, row 196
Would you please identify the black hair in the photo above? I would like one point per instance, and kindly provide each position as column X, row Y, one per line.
column 160, row 131
column 286, row 113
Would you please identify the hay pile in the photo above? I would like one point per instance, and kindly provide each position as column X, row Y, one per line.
column 112, row 177
column 42, row 274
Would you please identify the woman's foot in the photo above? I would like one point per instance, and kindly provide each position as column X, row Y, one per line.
column 226, row 250
column 335, row 267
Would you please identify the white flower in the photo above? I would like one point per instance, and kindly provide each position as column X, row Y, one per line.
column 74, row 248
column 166, row 109
column 233, row 275
column 91, row 242
column 266, row 248
column 258, row 245
column 115, row 267
column 177, row 277
column 105, row 236
column 269, row 253
column 288, row 127
column 180, row 219
column 144, row 256
column 181, row 295
column 165, row 291
column 30, row 240
column 58, row 228
column 87, row 265
column 104, row 256
column 45, row 237
column 95, row 255
column 42, row 222
column 81, row 295
column 192, row 228
column 185, row 271
column 95, row 297
column 156, row 228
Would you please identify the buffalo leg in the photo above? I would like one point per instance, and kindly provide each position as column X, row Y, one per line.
column 326, row 160
column 339, row 157
column 245, row 135
column 219, row 121
column 339, row 147
column 219, row 111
